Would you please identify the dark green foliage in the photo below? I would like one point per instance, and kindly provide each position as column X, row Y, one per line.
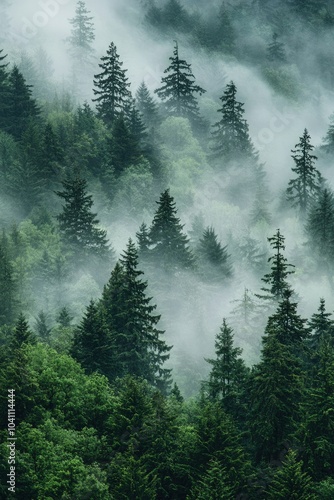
column 302, row 191
column 42, row 327
column 231, row 137
column 287, row 326
column 320, row 228
column 124, row 147
column 93, row 345
column 228, row 373
column 118, row 335
column 217, row 439
column 213, row 259
column 82, row 36
column 111, row 87
column 22, row 335
column 277, row 278
column 170, row 244
column 322, row 327
column 8, row 288
column 78, row 225
column 277, row 382
column 276, row 51
column 21, row 107
column 148, row 108
column 178, row 89
column 317, row 426
column 143, row 240
column 213, row 485
column 290, row 482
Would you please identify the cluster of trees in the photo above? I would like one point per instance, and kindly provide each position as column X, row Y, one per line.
column 103, row 408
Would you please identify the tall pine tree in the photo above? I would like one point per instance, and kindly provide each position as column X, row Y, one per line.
column 78, row 224
column 179, row 89
column 111, row 87
column 303, row 189
column 170, row 245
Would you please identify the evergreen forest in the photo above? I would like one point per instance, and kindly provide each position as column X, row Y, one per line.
column 167, row 250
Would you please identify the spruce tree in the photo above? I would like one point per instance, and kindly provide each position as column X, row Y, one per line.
column 21, row 107
column 290, row 482
column 42, row 327
column 214, row 261
column 112, row 87
column 231, row 138
column 279, row 272
column 93, row 344
column 328, row 141
column 287, row 326
column 320, row 228
column 148, row 108
column 8, row 287
column 316, row 431
column 170, row 244
column 303, row 190
column 276, row 51
column 22, row 334
column 276, row 387
column 82, row 36
column 78, row 224
column 178, row 89
column 213, row 485
column 322, row 326
column 139, row 348
column 228, row 371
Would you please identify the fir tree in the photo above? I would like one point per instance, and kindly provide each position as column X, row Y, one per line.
column 22, row 334
column 316, row 431
column 302, row 191
column 320, row 228
column 21, row 107
column 322, row 326
column 78, row 225
column 42, row 328
column 275, row 392
column 64, row 317
column 112, row 87
column 93, row 345
column 328, row 141
column 277, row 278
column 214, row 261
column 148, row 108
column 82, row 36
column 231, row 137
column 276, row 51
column 7, row 287
column 287, row 326
column 213, row 485
column 228, row 372
column 290, row 481
column 143, row 241
column 139, row 349
column 170, row 244
column 178, row 89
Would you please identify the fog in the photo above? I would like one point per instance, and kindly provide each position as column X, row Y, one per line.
column 276, row 122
